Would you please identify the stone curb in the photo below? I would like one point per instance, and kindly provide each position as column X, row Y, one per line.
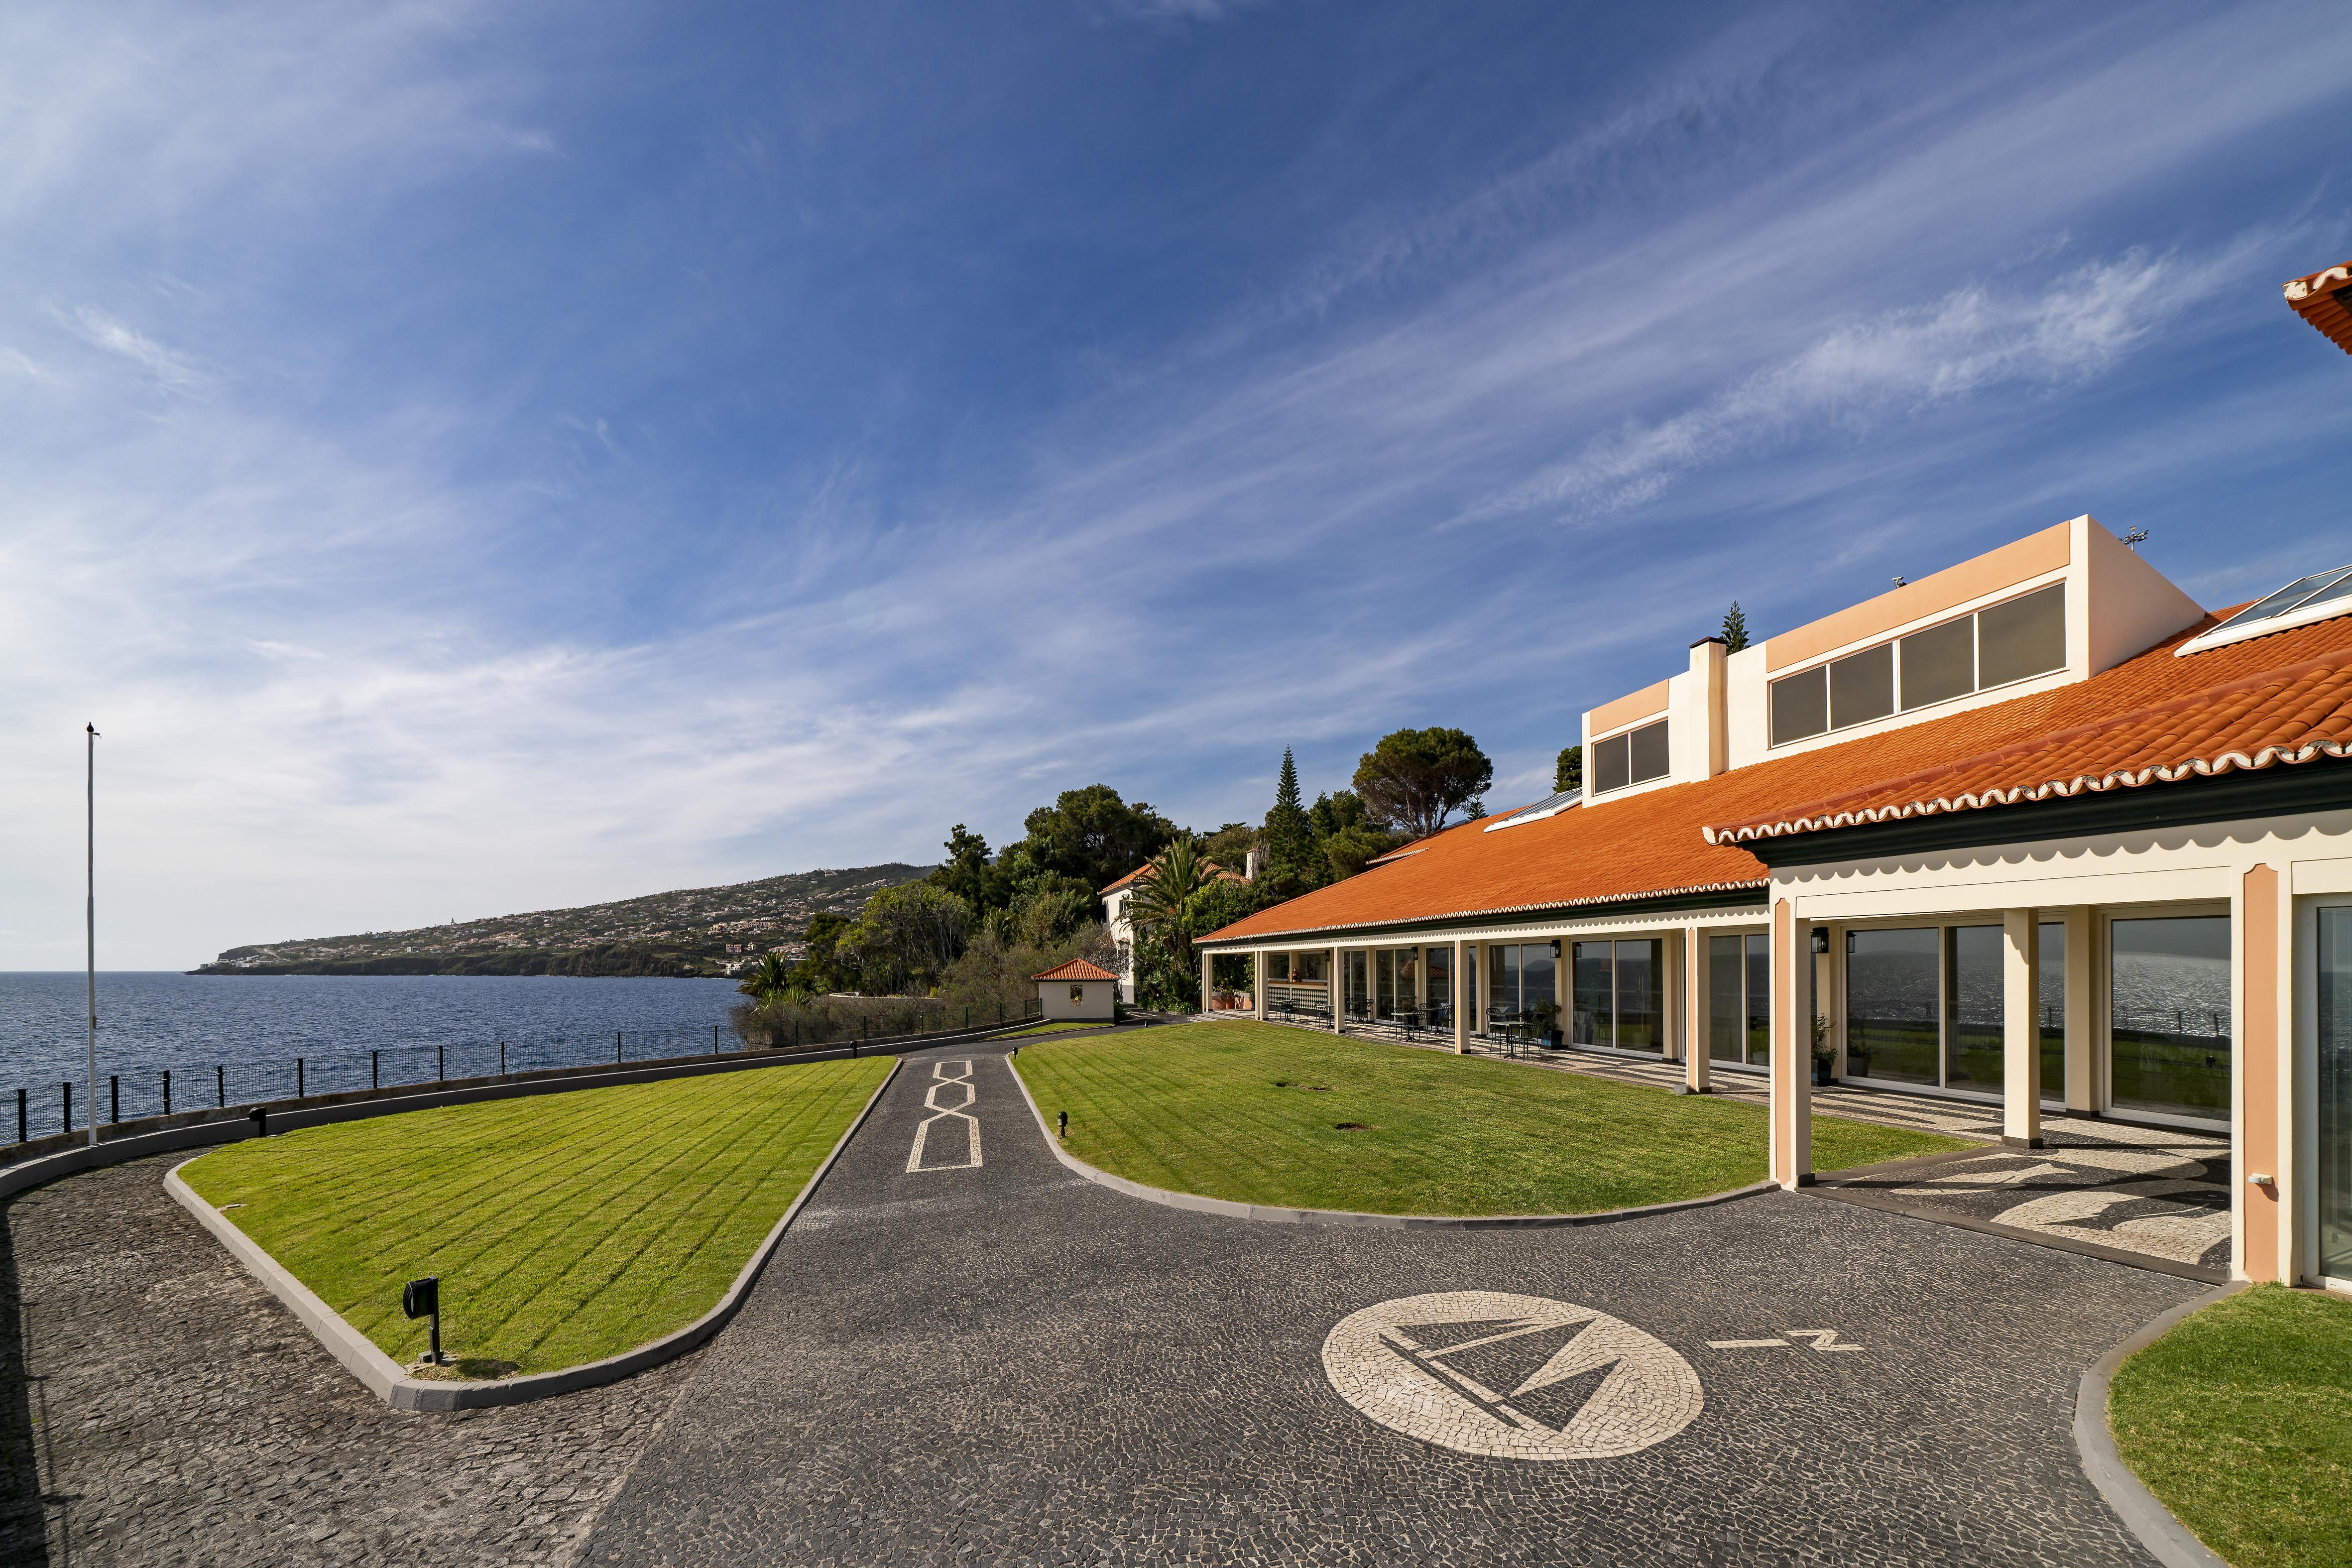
column 391, row 1382
column 2164, row 1538
column 1232, row 1210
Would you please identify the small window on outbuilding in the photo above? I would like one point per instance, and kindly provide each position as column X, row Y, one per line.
column 1077, row 993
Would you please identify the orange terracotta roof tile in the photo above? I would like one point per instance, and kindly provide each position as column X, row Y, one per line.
column 1223, row 875
column 1076, row 969
column 2277, row 699
column 2324, row 299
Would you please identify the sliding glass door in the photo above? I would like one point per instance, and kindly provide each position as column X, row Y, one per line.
column 2169, row 1015
column 2333, row 1027
column 1739, row 999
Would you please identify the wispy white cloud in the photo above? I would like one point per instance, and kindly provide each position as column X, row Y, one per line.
column 1889, row 368
column 170, row 371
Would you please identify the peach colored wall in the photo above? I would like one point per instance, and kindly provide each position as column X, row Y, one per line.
column 2261, row 1046
column 1987, row 573
column 1625, row 710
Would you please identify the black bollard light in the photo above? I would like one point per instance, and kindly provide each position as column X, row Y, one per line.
column 422, row 1298
column 1065, row 1132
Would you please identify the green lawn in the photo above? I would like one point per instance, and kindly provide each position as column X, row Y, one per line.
column 2241, row 1420
column 1258, row 1113
column 564, row 1227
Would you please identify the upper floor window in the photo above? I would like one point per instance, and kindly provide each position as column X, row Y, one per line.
column 2013, row 640
column 1634, row 757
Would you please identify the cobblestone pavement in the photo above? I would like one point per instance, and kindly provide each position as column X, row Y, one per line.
column 174, row 1412
column 1006, row 1364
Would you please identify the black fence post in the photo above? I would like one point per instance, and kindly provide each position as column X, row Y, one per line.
column 69, row 1115
column 220, row 1085
column 376, row 1070
column 616, row 1047
column 167, row 1092
column 113, row 1098
column 441, row 1064
column 714, row 1039
column 502, row 1059
column 20, row 1116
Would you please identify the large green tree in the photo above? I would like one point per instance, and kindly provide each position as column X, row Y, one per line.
column 968, row 872
column 1289, row 832
column 1414, row 780
column 1089, row 834
column 906, row 939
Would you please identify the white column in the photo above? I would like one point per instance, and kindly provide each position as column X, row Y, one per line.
column 1695, row 1027
column 2082, row 1011
column 2021, row 1015
column 1461, row 1006
column 1339, row 986
column 1208, row 981
column 1792, row 1062
column 1257, row 968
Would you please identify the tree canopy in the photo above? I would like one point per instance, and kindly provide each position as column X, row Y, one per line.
column 1567, row 773
column 1089, row 834
column 1415, row 779
column 1734, row 628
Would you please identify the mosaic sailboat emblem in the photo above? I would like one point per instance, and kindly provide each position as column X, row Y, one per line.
column 1521, row 1377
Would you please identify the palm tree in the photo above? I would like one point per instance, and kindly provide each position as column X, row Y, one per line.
column 771, row 975
column 1168, row 895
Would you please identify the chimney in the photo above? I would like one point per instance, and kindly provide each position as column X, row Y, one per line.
column 1249, row 867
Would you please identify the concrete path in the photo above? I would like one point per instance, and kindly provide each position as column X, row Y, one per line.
column 963, row 1353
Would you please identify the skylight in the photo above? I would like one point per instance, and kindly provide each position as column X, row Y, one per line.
column 2318, row 598
column 1551, row 805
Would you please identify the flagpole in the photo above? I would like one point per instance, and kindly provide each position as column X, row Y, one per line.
column 89, row 920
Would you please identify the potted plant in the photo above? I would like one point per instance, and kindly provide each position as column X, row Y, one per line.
column 1824, row 1053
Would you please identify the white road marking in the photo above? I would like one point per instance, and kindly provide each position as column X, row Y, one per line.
column 1823, row 1338
column 1747, row 1345
column 942, row 1082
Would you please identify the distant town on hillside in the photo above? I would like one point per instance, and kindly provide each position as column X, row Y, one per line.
column 692, row 931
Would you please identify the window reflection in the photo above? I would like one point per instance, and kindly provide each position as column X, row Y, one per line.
column 2169, row 1015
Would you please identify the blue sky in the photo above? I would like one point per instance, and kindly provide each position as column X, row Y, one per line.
column 469, row 458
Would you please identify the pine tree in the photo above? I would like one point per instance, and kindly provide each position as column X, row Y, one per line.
column 1289, row 833
column 1734, row 628
column 1567, row 771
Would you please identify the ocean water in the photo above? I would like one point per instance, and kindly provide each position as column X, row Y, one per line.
column 237, row 1038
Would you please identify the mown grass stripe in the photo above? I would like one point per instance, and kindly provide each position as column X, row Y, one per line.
column 1194, row 1109
column 565, row 1227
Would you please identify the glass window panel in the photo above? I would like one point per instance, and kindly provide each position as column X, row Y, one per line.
column 1800, row 706
column 2335, row 1031
column 1727, row 999
column 1612, row 763
column 1649, row 752
column 1891, row 992
column 1440, row 982
column 1939, row 663
column 1539, row 1001
column 2025, row 636
column 1862, row 687
column 1760, row 1000
column 2285, row 599
column 1641, row 1006
column 1502, row 985
column 1974, row 1000
column 2339, row 589
column 1384, row 1004
column 2169, row 1015
column 2053, row 1010
column 1595, row 981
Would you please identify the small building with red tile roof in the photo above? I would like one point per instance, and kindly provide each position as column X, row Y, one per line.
column 2037, row 831
column 1078, row 990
